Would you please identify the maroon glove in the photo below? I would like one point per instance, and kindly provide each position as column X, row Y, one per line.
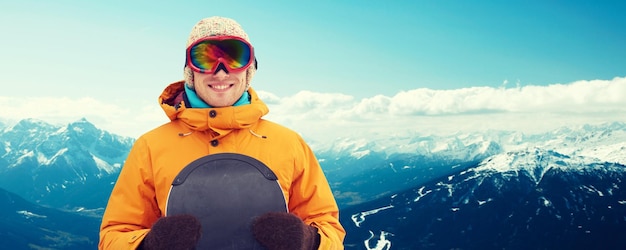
column 284, row 231
column 173, row 232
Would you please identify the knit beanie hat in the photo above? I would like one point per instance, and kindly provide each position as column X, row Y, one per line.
column 216, row 26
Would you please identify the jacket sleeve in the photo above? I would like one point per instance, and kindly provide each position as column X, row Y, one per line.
column 312, row 200
column 132, row 207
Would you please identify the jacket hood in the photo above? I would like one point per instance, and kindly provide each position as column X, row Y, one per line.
column 220, row 120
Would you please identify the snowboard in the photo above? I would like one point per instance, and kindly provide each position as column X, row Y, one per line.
column 226, row 192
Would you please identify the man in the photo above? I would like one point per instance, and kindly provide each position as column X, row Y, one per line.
column 214, row 110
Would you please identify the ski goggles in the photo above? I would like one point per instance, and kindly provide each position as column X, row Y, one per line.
column 204, row 55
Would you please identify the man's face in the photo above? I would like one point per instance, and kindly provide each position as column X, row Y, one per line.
column 220, row 89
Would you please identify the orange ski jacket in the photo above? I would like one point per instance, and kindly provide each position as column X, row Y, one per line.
column 140, row 193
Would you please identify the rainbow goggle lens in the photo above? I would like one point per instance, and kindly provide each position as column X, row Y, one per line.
column 206, row 54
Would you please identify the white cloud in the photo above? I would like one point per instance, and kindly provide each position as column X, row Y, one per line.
column 527, row 109
column 581, row 96
column 329, row 115
column 117, row 117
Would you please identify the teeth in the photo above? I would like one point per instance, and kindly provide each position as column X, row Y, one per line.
column 220, row 87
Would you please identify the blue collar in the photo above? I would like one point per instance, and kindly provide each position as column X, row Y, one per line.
column 196, row 102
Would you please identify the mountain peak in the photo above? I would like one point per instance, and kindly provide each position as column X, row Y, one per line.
column 43, row 162
column 30, row 122
column 84, row 127
column 82, row 120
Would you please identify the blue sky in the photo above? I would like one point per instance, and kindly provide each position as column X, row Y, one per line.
column 121, row 54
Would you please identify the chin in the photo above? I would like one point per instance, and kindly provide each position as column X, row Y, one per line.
column 220, row 104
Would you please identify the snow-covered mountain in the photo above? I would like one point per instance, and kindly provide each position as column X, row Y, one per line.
column 24, row 225
column 472, row 145
column 51, row 164
column 533, row 198
column 413, row 190
column 70, row 166
column 360, row 169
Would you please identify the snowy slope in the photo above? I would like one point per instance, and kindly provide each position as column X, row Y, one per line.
column 365, row 169
column 51, row 165
column 24, row 225
column 528, row 199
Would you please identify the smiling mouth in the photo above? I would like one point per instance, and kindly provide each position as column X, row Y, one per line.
column 221, row 86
